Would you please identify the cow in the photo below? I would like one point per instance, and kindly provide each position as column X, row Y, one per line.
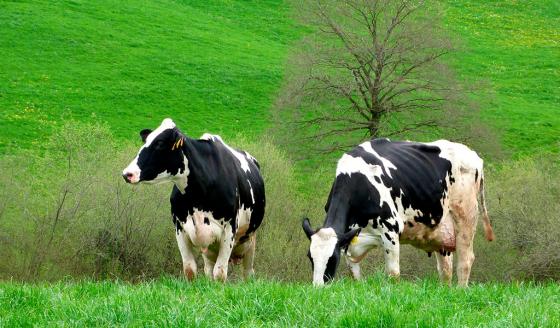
column 217, row 201
column 388, row 193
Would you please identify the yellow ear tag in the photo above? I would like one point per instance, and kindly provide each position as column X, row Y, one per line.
column 177, row 144
column 354, row 240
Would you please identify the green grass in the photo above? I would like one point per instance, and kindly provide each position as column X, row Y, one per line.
column 211, row 65
column 515, row 46
column 375, row 302
column 216, row 65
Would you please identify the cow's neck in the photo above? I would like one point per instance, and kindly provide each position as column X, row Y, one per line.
column 196, row 158
column 337, row 215
column 181, row 180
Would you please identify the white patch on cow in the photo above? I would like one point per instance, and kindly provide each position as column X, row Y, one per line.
column 133, row 171
column 240, row 156
column 166, row 124
column 323, row 243
column 243, row 220
column 386, row 163
column 367, row 239
column 207, row 136
column 201, row 234
column 181, row 179
column 408, row 213
column 349, row 164
column 251, row 190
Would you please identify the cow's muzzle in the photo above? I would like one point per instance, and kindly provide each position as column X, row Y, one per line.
column 127, row 177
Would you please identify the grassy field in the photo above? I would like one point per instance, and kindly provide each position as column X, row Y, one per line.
column 513, row 47
column 216, row 65
column 211, row 65
column 376, row 302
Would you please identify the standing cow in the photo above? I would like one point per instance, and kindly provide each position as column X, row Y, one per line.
column 389, row 192
column 217, row 201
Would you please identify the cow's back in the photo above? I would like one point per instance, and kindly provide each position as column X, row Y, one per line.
column 417, row 176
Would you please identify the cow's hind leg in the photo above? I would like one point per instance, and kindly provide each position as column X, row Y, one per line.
column 249, row 258
column 465, row 218
column 354, row 268
column 445, row 268
column 209, row 262
column 187, row 255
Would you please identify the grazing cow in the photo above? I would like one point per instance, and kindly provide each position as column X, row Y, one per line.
column 389, row 192
column 217, row 201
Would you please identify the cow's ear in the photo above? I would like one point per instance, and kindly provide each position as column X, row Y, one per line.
column 347, row 237
column 307, row 228
column 144, row 134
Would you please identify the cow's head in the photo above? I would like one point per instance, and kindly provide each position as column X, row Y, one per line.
column 161, row 158
column 324, row 251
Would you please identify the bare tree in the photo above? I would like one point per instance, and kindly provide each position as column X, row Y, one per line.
column 367, row 68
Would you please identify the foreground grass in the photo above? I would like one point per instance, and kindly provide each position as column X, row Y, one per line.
column 375, row 302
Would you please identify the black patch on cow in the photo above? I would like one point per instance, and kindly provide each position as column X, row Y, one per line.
column 410, row 224
column 332, row 264
column 176, row 223
column 206, row 220
column 377, row 179
column 388, row 237
column 476, row 175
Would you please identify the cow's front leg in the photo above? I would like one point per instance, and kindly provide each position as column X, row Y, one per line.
column 354, row 268
column 187, row 255
column 226, row 247
column 391, row 250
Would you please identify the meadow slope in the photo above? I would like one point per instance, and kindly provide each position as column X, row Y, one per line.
column 215, row 66
column 211, row 65
column 375, row 302
column 513, row 48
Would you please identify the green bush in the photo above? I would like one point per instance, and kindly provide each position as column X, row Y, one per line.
column 523, row 202
column 69, row 213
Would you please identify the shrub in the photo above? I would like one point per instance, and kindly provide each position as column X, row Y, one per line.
column 523, row 200
column 68, row 212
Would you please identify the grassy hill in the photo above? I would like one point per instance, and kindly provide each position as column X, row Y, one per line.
column 514, row 46
column 211, row 65
column 215, row 65
column 375, row 302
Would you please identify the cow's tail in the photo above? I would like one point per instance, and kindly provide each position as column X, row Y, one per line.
column 488, row 231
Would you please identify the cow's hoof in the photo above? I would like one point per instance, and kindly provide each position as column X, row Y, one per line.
column 394, row 276
column 220, row 274
column 190, row 274
column 249, row 274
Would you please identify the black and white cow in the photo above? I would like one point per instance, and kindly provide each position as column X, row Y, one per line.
column 217, row 201
column 388, row 193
